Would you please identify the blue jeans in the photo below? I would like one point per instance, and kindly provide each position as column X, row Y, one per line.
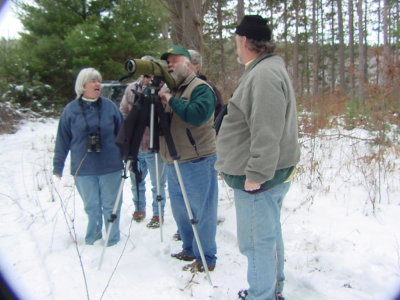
column 200, row 181
column 260, row 240
column 147, row 164
column 99, row 194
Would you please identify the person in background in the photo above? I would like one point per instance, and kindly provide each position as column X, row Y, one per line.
column 146, row 159
column 197, row 62
column 87, row 129
column 257, row 150
column 191, row 105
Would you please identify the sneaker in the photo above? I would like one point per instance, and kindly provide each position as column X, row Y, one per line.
column 279, row 296
column 139, row 216
column 197, row 267
column 154, row 222
column 183, row 256
column 177, row 236
column 242, row 294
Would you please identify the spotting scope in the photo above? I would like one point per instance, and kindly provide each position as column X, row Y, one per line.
column 149, row 67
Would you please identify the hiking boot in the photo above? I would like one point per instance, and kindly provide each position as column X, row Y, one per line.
column 242, row 294
column 197, row 267
column 279, row 296
column 177, row 236
column 183, row 256
column 154, row 222
column 139, row 216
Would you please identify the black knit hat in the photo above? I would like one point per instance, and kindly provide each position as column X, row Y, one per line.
column 254, row 27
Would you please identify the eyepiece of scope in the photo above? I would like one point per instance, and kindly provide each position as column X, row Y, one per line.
column 130, row 66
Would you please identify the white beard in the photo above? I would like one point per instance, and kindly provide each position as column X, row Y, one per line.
column 179, row 74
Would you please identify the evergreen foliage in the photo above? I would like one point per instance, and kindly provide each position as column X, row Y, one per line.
column 61, row 37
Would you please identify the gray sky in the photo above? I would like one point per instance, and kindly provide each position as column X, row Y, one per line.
column 9, row 24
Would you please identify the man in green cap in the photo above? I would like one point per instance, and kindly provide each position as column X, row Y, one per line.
column 191, row 105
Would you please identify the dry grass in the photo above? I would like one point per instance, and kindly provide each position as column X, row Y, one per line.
column 9, row 118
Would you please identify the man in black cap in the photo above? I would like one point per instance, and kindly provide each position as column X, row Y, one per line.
column 257, row 150
column 191, row 106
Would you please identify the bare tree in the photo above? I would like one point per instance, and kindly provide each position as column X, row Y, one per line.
column 351, row 46
column 286, row 24
column 221, row 45
column 240, row 10
column 295, row 61
column 305, row 78
column 315, row 48
column 187, row 22
column 342, row 78
column 361, row 50
column 396, row 40
column 386, row 40
column 378, row 55
column 332, row 52
column 366, row 28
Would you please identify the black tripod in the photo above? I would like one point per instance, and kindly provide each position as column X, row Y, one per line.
column 149, row 111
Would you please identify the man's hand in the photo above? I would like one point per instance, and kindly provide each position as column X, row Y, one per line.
column 165, row 97
column 251, row 186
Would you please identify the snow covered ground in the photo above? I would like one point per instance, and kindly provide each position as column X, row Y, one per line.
column 337, row 246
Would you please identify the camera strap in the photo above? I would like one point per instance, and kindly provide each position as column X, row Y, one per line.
column 96, row 103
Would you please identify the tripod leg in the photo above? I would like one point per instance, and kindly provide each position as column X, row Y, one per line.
column 159, row 197
column 154, row 147
column 164, row 124
column 192, row 220
column 114, row 212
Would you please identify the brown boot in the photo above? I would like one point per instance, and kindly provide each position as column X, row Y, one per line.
column 139, row 216
column 155, row 222
column 183, row 256
column 197, row 267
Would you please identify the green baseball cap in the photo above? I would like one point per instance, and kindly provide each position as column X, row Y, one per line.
column 177, row 50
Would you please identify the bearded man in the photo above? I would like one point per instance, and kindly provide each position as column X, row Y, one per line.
column 258, row 151
column 191, row 105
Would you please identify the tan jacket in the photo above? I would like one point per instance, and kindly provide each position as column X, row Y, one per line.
column 203, row 135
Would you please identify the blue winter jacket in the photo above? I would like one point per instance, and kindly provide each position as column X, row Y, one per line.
column 72, row 135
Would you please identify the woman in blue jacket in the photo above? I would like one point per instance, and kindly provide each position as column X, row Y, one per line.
column 87, row 128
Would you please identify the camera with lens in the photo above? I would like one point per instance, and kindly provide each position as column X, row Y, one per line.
column 94, row 144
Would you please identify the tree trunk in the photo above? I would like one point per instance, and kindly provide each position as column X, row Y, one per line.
column 295, row 61
column 351, row 47
column 396, row 40
column 386, row 42
column 315, row 49
column 240, row 10
column 342, row 78
column 361, row 55
column 186, row 21
column 322, row 52
column 378, row 54
column 365, row 14
column 333, row 48
column 240, row 15
column 222, row 71
column 285, row 29
column 306, row 65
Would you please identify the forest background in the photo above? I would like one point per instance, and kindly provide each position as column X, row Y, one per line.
column 342, row 56
column 344, row 61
